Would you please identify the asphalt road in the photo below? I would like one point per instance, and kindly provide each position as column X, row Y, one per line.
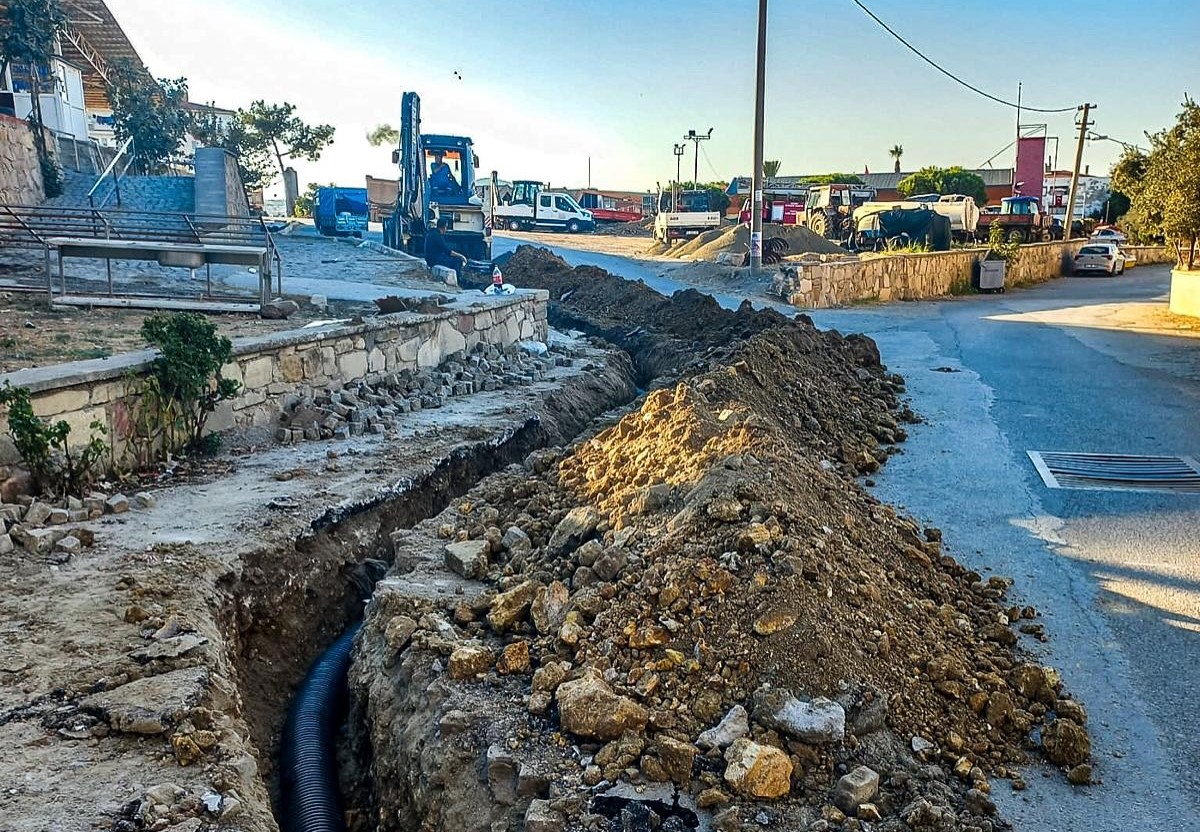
column 1087, row 365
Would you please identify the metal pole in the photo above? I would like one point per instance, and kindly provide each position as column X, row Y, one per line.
column 696, row 168
column 1083, row 127
column 757, row 179
column 1017, row 155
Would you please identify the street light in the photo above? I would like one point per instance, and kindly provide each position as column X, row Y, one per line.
column 1096, row 137
column 679, row 148
column 693, row 136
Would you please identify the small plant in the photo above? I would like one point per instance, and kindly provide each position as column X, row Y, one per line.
column 998, row 249
column 187, row 376
column 45, row 447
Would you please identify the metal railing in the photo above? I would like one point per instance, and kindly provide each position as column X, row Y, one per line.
column 111, row 170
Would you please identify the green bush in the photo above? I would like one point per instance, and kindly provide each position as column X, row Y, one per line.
column 45, row 448
column 52, row 178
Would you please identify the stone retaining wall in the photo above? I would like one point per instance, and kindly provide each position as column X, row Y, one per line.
column 20, row 173
column 934, row 274
column 295, row 362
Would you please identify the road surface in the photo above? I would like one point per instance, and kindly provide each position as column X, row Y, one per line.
column 1087, row 365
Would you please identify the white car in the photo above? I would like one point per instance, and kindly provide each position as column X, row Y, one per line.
column 1099, row 257
column 1108, row 235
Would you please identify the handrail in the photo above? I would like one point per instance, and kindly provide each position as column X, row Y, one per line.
column 111, row 169
column 24, row 224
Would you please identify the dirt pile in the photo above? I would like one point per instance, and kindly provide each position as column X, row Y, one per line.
column 694, row 611
column 637, row 228
column 736, row 239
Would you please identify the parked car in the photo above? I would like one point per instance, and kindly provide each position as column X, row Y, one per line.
column 1100, row 257
column 1108, row 234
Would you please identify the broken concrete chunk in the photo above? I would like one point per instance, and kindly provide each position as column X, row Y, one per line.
column 502, row 775
column 734, row 726
column 168, row 648
column 143, row 499
column 37, row 514
column 151, row 705
column 541, row 818
column 278, row 310
column 39, row 541
column 6, row 544
column 853, row 789
column 468, row 558
column 819, row 721
column 117, row 504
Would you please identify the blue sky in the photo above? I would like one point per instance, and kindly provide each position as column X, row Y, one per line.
column 545, row 85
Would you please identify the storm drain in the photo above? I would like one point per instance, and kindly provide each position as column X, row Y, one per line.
column 1117, row 472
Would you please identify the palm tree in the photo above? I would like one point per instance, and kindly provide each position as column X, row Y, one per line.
column 771, row 169
column 896, row 152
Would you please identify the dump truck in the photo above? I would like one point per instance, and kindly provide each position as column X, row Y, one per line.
column 381, row 198
column 689, row 217
column 437, row 179
column 340, row 212
column 959, row 209
column 1022, row 220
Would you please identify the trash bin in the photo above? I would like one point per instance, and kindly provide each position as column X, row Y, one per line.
column 991, row 275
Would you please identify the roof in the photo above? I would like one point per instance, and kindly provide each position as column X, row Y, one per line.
column 193, row 107
column 92, row 41
column 992, row 177
column 614, row 194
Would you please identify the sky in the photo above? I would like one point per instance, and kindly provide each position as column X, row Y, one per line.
column 547, row 85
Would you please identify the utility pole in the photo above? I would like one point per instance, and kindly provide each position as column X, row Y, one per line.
column 679, row 149
column 693, row 136
column 589, row 172
column 756, row 186
column 1083, row 128
column 1017, row 155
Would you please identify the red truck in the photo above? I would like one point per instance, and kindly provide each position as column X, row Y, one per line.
column 609, row 209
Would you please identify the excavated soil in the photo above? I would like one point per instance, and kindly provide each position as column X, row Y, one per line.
column 736, row 239
column 578, row 622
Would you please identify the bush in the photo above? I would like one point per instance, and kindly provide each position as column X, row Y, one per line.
column 45, row 448
column 52, row 178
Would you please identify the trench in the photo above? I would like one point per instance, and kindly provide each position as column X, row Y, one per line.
column 289, row 603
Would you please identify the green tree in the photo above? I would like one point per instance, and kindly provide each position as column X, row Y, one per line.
column 149, row 112
column 277, row 128
column 832, row 179
column 254, row 160
column 953, row 180
column 308, row 200
column 896, row 152
column 771, row 169
column 30, row 32
column 383, row 134
column 1164, row 185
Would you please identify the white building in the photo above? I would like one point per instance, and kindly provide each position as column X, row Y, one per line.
column 60, row 91
column 1093, row 193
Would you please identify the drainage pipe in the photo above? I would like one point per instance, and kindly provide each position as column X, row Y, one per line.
column 310, row 800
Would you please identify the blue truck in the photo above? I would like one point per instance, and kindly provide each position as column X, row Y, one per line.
column 341, row 212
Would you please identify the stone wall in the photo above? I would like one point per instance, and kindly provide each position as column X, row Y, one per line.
column 283, row 364
column 219, row 190
column 933, row 274
column 20, row 173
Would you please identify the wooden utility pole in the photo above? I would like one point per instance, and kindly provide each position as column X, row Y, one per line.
column 756, row 181
column 1083, row 128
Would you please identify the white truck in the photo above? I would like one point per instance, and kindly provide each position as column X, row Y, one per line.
column 531, row 208
column 690, row 218
column 961, row 210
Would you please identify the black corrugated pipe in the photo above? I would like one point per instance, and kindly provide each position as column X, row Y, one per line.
column 310, row 800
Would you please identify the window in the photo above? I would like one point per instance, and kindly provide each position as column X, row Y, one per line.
column 544, row 200
column 562, row 204
column 1094, row 250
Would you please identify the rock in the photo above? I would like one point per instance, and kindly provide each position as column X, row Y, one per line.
column 69, row 546
column 651, row 498
column 734, row 726
column 711, row 798
column 549, row 676
column 187, row 751
column 1072, row 710
column 610, row 564
column 819, row 721
column 1066, row 743
column 571, row 631
column 945, row 668
column 399, row 631
column 921, row 814
column 37, row 514
column 516, row 542
column 1080, row 775
column 589, row 708
column 468, row 558
column 1035, row 683
column 39, row 541
column 510, row 607
column 869, row 812
column 502, row 775
column 6, row 544
column 677, row 758
column 549, row 608
column 978, row 803
column 58, row 516
column 514, row 658
column 150, row 705
column 532, row 782
column 773, row 622
column 143, row 499
column 589, row 553
column 470, row 660
column 278, row 310
column 169, row 648
column 541, row 818
column 574, row 529
column 757, row 770
column 643, row 638
column 116, row 504
column 539, row 702
column 754, row 535
column 859, row 786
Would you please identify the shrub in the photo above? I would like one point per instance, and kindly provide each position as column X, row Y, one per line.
column 45, row 448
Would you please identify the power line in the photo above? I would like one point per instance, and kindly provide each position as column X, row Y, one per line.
column 708, row 162
column 951, row 75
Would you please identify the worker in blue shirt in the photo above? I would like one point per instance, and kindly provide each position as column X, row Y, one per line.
column 438, row 251
column 441, row 178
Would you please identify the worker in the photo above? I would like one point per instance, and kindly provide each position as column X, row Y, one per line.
column 441, row 178
column 438, row 251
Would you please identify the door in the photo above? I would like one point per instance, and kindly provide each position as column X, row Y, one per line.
column 546, row 213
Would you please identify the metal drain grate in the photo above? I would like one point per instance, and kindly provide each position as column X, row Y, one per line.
column 1117, row 472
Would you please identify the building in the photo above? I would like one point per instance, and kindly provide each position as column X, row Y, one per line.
column 219, row 117
column 1091, row 198
column 73, row 89
column 997, row 181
